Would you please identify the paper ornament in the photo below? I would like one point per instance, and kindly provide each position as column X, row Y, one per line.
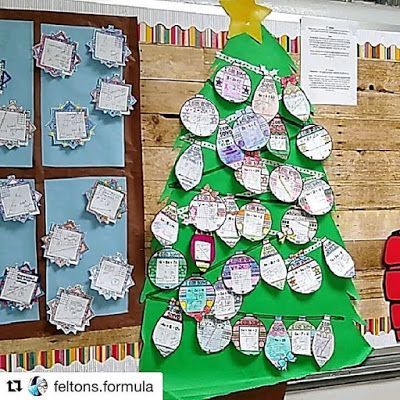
column 324, row 342
column 196, row 296
column 207, row 211
column 189, row 167
column 4, row 76
column 304, row 275
column 167, row 333
column 249, row 335
column 302, row 226
column 228, row 151
column 301, row 335
column 165, row 225
column 266, row 98
column 250, row 131
column 294, row 99
column 199, row 116
column 316, row 197
column 228, row 232
column 279, row 143
column 233, row 84
column 202, row 249
column 227, row 303
column 286, row 183
column 213, row 335
column 167, row 268
column 253, row 174
column 272, row 266
column 314, row 142
column 254, row 221
column 278, row 348
column 338, row 259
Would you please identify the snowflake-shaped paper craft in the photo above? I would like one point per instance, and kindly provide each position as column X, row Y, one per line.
column 4, row 76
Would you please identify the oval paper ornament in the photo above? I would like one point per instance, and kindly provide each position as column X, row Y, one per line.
column 241, row 274
column 189, row 167
column 167, row 333
column 254, row 221
column 301, row 334
column 228, row 232
column 278, row 348
column 228, row 151
column 250, row 131
column 304, row 275
column 314, row 142
column 227, row 304
column 279, row 143
column 286, row 183
column 165, row 226
column 294, row 99
column 167, row 268
column 199, row 116
column 302, row 227
column 202, row 249
column 249, row 335
column 266, row 99
column 324, row 342
column 233, row 84
column 316, row 197
column 272, row 266
column 196, row 296
column 253, row 174
column 338, row 259
column 213, row 335
column 207, row 211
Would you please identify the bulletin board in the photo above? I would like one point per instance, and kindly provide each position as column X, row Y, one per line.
column 64, row 175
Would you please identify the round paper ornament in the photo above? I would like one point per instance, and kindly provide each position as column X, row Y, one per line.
column 199, row 116
column 286, row 183
column 303, row 227
column 314, row 142
column 233, row 84
column 241, row 274
column 227, row 304
column 272, row 266
column 196, row 296
column 213, row 335
column 253, row 174
column 279, row 143
column 228, row 232
column 301, row 334
column 317, row 197
column 189, row 167
column 253, row 221
column 294, row 99
column 338, row 259
column 324, row 342
column 207, row 211
column 250, row 131
column 304, row 275
column 266, row 98
column 228, row 151
column 165, row 226
column 167, row 268
column 249, row 335
column 202, row 249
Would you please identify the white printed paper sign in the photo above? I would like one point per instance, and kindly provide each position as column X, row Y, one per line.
column 304, row 275
column 249, row 335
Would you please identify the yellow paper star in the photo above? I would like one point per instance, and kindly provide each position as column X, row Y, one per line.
column 246, row 17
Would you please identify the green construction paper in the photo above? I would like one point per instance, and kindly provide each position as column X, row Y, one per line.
column 189, row 373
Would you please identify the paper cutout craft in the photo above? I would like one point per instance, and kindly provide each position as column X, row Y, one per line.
column 324, row 342
column 199, row 116
column 165, row 226
column 112, row 277
column 110, row 47
column 70, row 126
column 65, row 244
column 301, row 334
column 266, row 98
column 228, row 232
column 241, row 274
column 233, row 84
column 20, row 287
column 249, row 335
column 19, row 201
column 167, row 333
column 338, row 260
column 213, row 335
column 196, row 296
column 113, row 96
column 71, row 310
column 167, row 268
column 286, row 183
column 4, row 76
column 314, row 142
column 279, row 143
column 272, row 266
column 302, row 226
column 304, row 275
column 294, row 98
column 106, row 201
column 16, row 128
column 228, row 151
column 317, row 197
column 202, row 250
column 57, row 54
column 189, row 167
column 227, row 303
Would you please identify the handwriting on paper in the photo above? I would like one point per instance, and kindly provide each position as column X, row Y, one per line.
column 70, row 125
column 12, row 125
column 71, row 309
column 106, row 201
column 57, row 55
column 17, row 200
column 109, row 47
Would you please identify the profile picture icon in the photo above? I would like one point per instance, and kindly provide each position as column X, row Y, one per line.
column 37, row 386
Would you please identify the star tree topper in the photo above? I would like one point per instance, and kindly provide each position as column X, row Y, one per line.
column 246, row 17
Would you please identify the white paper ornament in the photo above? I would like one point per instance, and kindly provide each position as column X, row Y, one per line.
column 338, row 259
column 279, row 143
column 249, row 335
column 286, row 183
column 228, row 232
column 189, row 167
column 253, row 174
column 316, row 197
column 165, row 226
column 294, row 99
column 213, row 335
column 314, row 142
column 324, row 342
column 266, row 98
column 233, row 84
column 272, row 266
column 304, row 275
column 228, row 151
column 302, row 227
column 301, row 335
column 227, row 304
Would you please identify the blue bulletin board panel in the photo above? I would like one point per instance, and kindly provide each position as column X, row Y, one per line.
column 65, row 199
column 106, row 147
column 16, row 41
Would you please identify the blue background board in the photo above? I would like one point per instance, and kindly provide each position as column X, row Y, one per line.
column 16, row 41
column 17, row 245
column 107, row 146
column 65, row 199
